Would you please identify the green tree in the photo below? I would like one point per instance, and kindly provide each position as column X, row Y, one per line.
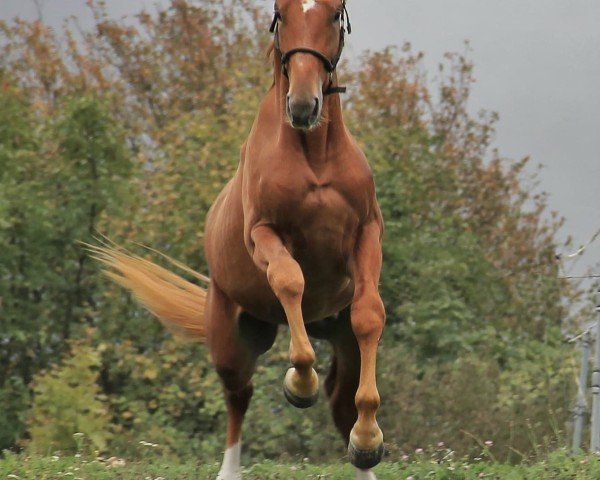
column 135, row 128
column 59, row 175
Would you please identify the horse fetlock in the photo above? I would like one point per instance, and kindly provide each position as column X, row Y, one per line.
column 302, row 354
column 367, row 402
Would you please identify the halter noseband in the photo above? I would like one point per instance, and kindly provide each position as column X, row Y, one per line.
column 329, row 64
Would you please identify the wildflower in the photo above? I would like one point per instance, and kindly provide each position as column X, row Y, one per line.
column 419, row 451
column 441, row 445
column 405, row 458
column 148, row 444
column 78, row 434
column 489, row 443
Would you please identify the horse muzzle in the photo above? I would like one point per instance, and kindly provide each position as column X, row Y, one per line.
column 304, row 113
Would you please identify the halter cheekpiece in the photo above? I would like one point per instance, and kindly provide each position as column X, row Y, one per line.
column 329, row 64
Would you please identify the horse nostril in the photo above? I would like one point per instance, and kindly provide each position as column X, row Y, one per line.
column 315, row 112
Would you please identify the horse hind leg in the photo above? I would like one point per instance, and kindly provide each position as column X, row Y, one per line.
column 235, row 340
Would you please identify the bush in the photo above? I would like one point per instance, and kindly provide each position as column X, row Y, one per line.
column 68, row 409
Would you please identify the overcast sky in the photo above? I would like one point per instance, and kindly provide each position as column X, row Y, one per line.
column 537, row 64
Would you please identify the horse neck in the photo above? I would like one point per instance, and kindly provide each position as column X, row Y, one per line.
column 315, row 143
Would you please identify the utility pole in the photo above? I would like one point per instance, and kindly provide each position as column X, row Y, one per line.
column 595, row 434
column 581, row 405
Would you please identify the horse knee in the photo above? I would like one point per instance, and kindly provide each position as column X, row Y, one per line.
column 286, row 278
column 368, row 317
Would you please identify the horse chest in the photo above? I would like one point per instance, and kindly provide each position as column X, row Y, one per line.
column 303, row 201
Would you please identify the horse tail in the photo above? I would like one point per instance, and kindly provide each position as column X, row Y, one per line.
column 176, row 302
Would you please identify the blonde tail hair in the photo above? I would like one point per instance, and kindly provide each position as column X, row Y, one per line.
column 177, row 303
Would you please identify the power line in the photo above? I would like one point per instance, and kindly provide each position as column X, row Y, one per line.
column 579, row 277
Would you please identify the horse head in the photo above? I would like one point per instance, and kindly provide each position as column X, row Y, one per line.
column 309, row 37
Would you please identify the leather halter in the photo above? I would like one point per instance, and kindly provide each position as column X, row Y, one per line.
column 329, row 64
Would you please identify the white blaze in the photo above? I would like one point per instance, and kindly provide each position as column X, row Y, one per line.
column 308, row 4
column 365, row 475
column 230, row 469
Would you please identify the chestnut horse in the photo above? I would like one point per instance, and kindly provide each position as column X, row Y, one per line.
column 294, row 238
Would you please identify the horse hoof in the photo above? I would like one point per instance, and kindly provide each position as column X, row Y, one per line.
column 300, row 402
column 294, row 388
column 365, row 459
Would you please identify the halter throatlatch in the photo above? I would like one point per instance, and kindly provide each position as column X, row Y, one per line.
column 329, row 64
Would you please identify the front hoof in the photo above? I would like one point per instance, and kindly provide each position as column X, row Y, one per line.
column 365, row 459
column 294, row 388
column 300, row 402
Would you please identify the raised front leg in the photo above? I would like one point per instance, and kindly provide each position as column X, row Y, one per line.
column 365, row 448
column 301, row 384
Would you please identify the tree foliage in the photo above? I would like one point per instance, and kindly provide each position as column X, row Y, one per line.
column 132, row 129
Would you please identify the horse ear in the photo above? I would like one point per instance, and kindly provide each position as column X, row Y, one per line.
column 347, row 19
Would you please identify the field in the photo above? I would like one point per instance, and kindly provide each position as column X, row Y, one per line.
column 557, row 466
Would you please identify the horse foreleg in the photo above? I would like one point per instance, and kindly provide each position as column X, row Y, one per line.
column 235, row 341
column 367, row 317
column 301, row 384
column 343, row 378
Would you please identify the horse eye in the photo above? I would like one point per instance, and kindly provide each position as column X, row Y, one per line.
column 338, row 16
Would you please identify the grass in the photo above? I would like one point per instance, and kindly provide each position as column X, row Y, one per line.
column 437, row 465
